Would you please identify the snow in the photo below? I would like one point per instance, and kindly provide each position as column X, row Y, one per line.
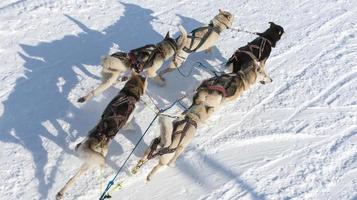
column 292, row 139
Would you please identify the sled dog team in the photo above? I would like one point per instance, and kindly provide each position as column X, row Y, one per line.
column 246, row 66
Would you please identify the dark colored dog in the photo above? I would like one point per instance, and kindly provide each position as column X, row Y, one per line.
column 119, row 111
column 256, row 51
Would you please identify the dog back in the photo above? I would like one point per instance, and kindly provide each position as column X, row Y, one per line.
column 114, row 117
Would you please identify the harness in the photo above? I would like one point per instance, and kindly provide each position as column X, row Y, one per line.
column 253, row 46
column 136, row 65
column 167, row 150
column 114, row 117
column 210, row 28
column 222, row 84
column 158, row 50
column 151, row 50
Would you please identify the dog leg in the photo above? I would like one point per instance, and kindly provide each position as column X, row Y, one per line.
column 166, row 129
column 153, row 171
column 165, row 71
column 177, row 61
column 151, row 149
column 101, row 88
column 71, row 181
column 142, row 160
column 159, row 81
column 152, row 73
column 263, row 77
column 178, row 152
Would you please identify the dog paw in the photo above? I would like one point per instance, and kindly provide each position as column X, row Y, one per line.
column 81, row 100
column 160, row 81
column 162, row 78
column 59, row 196
column 148, row 178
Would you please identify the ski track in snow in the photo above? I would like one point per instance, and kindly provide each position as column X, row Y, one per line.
column 292, row 139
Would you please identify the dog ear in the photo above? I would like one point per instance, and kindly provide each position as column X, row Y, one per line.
column 220, row 11
column 272, row 24
column 167, row 35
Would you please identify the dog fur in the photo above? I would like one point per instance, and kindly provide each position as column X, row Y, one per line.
column 93, row 149
column 220, row 22
column 170, row 136
column 238, row 83
column 247, row 65
column 153, row 56
column 266, row 41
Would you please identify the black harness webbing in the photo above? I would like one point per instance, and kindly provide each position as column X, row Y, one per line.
column 210, row 28
column 167, row 150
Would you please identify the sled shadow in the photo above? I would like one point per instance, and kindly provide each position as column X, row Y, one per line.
column 39, row 109
column 220, row 169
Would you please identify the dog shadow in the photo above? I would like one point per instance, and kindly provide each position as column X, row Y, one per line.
column 178, row 85
column 39, row 109
column 220, row 169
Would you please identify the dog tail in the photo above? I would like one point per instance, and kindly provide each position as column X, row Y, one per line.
column 165, row 130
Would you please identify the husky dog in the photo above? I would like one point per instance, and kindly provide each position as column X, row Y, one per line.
column 119, row 111
column 227, row 87
column 247, row 65
column 201, row 39
column 148, row 58
column 256, row 51
column 174, row 137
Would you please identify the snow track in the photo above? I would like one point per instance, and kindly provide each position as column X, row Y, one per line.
column 292, row 139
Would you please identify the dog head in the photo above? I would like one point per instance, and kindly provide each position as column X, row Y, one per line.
column 137, row 84
column 224, row 19
column 168, row 46
column 273, row 33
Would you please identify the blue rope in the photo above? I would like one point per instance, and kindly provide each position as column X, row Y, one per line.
column 111, row 182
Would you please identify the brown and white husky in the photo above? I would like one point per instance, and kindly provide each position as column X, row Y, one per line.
column 201, row 39
column 148, row 58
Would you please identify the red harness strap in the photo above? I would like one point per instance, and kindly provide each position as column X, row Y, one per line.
column 138, row 67
column 218, row 88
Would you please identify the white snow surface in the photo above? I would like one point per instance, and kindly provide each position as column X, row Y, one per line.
column 295, row 138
